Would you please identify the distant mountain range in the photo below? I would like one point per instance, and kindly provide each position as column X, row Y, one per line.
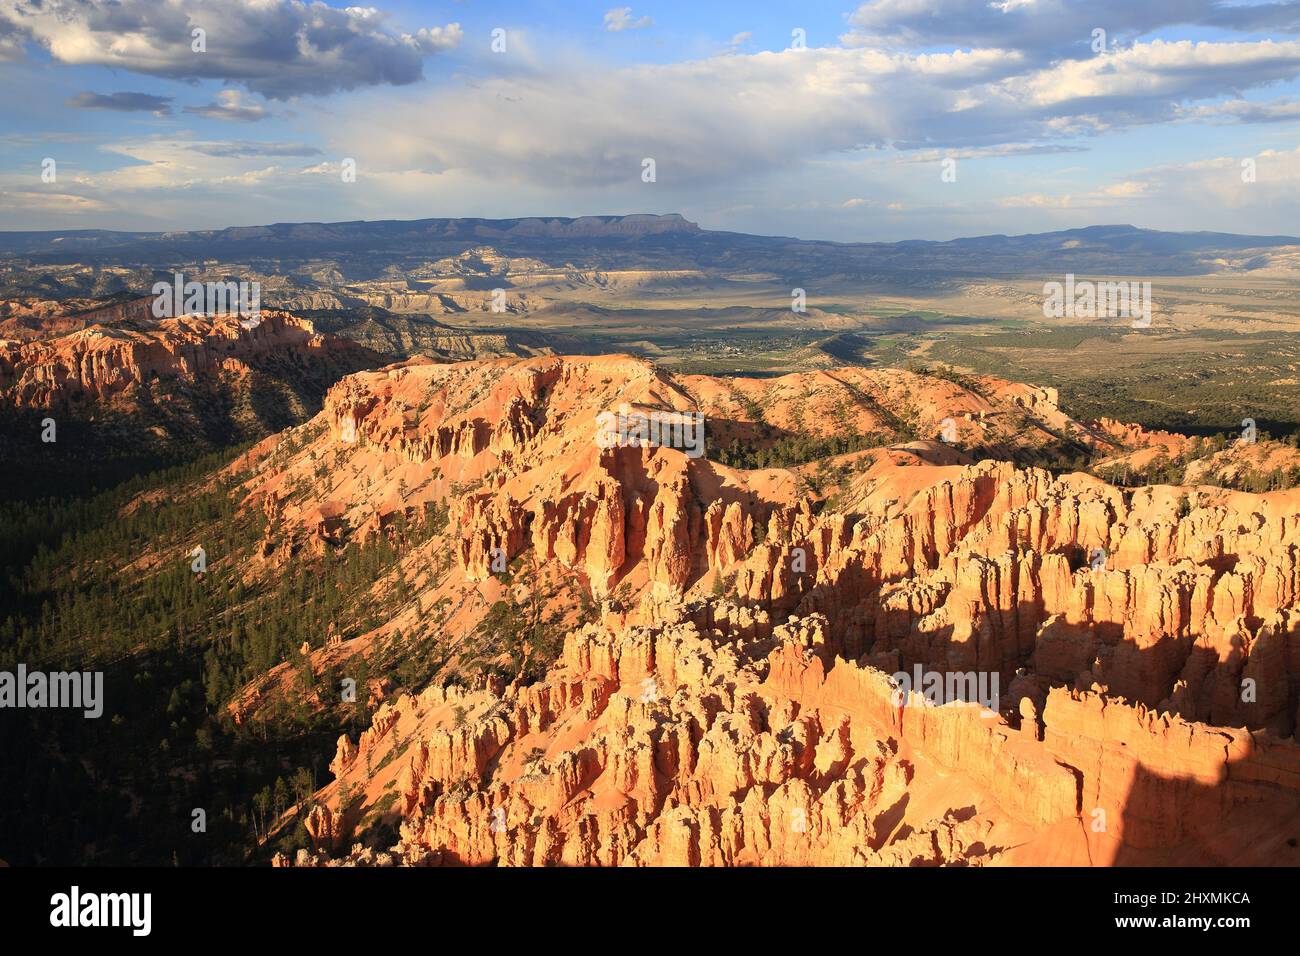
column 386, row 233
column 367, row 249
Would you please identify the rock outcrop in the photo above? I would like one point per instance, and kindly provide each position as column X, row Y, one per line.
column 1131, row 658
column 119, row 364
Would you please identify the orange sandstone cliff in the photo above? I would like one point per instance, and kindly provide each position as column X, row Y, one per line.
column 118, row 365
column 731, row 701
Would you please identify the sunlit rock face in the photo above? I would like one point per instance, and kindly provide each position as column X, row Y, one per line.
column 737, row 701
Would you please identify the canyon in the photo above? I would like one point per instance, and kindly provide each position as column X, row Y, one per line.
column 578, row 651
column 117, row 364
column 89, row 407
column 725, row 697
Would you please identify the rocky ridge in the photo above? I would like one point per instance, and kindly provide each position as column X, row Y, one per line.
column 114, row 364
column 1143, row 642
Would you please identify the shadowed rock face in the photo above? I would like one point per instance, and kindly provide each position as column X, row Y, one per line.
column 1129, row 632
column 140, row 393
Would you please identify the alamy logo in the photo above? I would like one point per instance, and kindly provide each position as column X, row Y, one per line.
column 1092, row 300
column 103, row 909
column 178, row 297
column 939, row 688
column 58, row 689
column 628, row 428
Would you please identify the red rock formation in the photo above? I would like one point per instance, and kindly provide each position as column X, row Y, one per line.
column 114, row 364
column 1123, row 632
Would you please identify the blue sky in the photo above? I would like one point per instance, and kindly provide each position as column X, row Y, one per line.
column 1186, row 120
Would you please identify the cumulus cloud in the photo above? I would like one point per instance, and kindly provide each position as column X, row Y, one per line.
column 773, row 111
column 278, row 48
column 438, row 39
column 1280, row 110
column 158, row 162
column 122, row 102
column 1050, row 29
column 620, row 18
column 1138, row 77
column 180, row 183
column 230, row 106
column 763, row 111
column 794, row 141
column 166, row 172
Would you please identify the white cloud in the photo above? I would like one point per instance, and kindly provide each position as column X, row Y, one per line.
column 177, row 183
column 1050, row 29
column 1143, row 74
column 279, row 48
column 804, row 142
column 174, row 164
column 1211, row 192
column 620, row 18
column 438, row 39
column 48, row 202
column 231, row 106
column 1278, row 110
column 573, row 126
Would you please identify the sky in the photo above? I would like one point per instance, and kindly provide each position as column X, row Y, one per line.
column 885, row 120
